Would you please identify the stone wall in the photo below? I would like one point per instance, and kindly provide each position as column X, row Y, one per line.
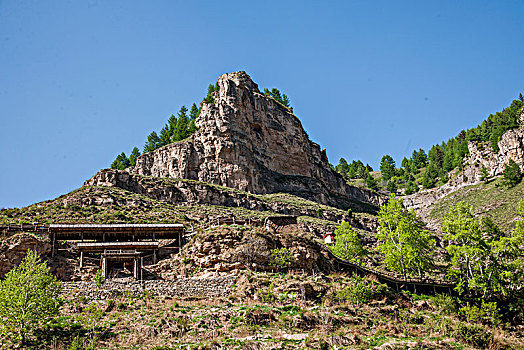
column 182, row 288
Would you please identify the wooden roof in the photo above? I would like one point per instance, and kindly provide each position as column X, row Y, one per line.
column 115, row 232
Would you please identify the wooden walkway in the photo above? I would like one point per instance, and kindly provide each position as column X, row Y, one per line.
column 427, row 285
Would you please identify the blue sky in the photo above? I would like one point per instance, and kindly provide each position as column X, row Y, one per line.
column 82, row 81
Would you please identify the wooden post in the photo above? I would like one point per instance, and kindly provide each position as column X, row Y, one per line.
column 135, row 268
column 81, row 260
column 179, row 242
column 104, row 267
column 154, row 257
column 141, row 268
column 53, row 248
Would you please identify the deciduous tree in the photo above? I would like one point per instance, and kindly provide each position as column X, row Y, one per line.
column 407, row 247
column 348, row 245
column 29, row 298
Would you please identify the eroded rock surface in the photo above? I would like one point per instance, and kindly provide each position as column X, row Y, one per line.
column 14, row 249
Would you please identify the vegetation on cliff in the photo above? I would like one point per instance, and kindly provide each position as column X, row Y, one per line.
column 431, row 169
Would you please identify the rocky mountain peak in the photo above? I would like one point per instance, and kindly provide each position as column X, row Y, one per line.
column 251, row 142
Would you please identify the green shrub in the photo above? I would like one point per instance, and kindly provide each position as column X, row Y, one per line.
column 475, row 335
column 99, row 279
column 512, row 174
column 446, row 303
column 359, row 291
column 488, row 313
column 282, row 257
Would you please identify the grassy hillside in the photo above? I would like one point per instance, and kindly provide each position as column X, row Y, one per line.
column 492, row 199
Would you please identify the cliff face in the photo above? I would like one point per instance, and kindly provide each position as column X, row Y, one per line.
column 250, row 142
column 511, row 147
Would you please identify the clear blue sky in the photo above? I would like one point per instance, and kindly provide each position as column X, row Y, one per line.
column 82, row 81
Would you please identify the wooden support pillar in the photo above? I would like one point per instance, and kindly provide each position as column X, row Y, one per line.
column 179, row 242
column 53, row 248
column 135, row 268
column 153, row 236
column 155, row 259
column 104, row 267
column 81, row 260
column 141, row 268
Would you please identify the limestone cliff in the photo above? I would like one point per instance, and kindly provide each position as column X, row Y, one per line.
column 250, row 142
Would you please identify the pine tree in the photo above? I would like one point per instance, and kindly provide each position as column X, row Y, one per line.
column 512, row 174
column 391, row 186
column 121, row 162
column 387, row 167
column 172, row 124
column 411, row 187
column 135, row 153
column 342, row 168
column 182, row 126
column 521, row 98
column 371, row 182
column 430, row 176
column 285, row 100
column 405, row 163
column 193, row 113
column 165, row 136
column 153, row 142
column 275, row 93
column 484, row 175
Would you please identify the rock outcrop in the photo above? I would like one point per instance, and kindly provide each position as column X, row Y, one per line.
column 188, row 192
column 14, row 249
column 250, row 142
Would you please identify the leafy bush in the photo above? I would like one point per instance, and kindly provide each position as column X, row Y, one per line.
column 348, row 245
column 358, row 292
column 475, row 335
column 99, row 279
column 446, row 303
column 488, row 313
column 282, row 257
